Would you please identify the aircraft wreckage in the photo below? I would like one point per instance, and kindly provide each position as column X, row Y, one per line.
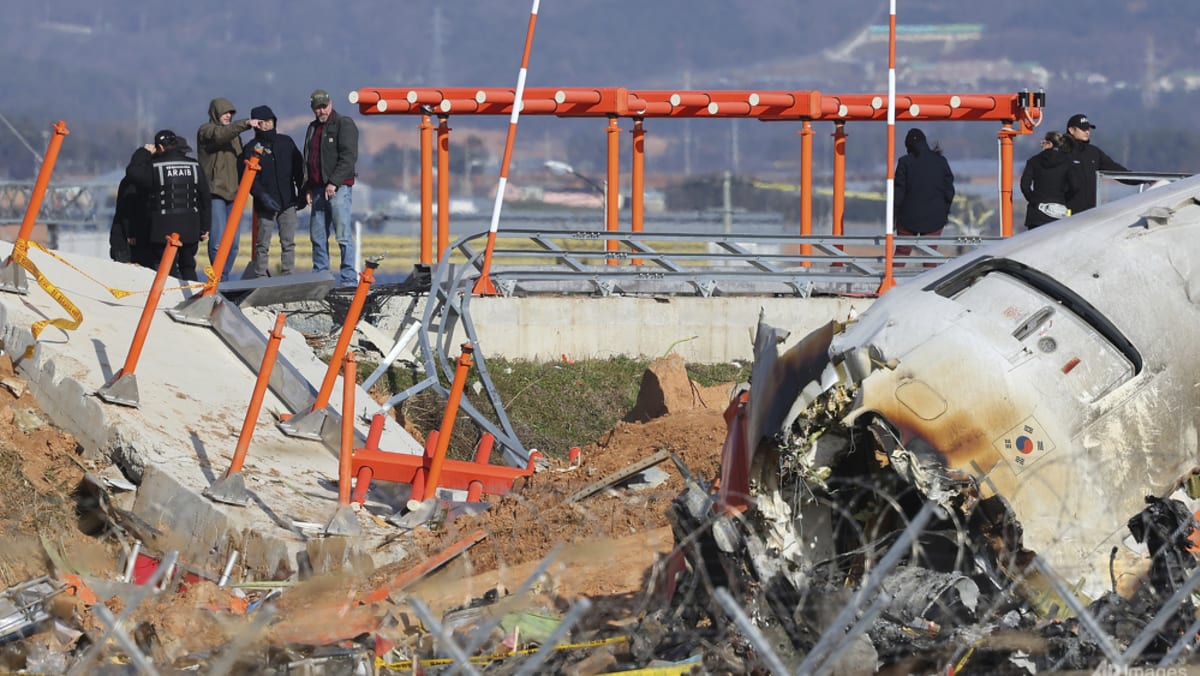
column 1037, row 395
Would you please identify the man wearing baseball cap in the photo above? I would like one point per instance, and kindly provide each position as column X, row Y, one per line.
column 330, row 153
column 1090, row 159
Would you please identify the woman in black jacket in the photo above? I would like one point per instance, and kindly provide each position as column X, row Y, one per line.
column 924, row 190
column 1049, row 181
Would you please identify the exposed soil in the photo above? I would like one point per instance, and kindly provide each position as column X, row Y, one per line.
column 610, row 539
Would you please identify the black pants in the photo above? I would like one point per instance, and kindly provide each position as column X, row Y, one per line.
column 184, row 266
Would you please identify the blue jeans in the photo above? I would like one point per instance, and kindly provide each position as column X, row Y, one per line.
column 331, row 217
column 220, row 216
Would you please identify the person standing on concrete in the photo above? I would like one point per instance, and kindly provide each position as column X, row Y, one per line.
column 1090, row 159
column 1049, row 181
column 330, row 153
column 276, row 191
column 177, row 198
column 218, row 147
column 924, row 190
column 129, row 237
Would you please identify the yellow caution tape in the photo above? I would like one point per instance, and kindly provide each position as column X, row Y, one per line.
column 20, row 256
column 487, row 659
column 116, row 293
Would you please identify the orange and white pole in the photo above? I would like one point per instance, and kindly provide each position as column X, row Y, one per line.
column 889, row 242
column 484, row 284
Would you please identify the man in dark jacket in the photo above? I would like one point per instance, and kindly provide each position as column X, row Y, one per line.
column 924, row 190
column 129, row 238
column 1090, row 160
column 1050, row 180
column 330, row 153
column 218, row 147
column 276, row 191
column 177, row 198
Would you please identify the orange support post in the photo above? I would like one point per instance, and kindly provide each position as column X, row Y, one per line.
column 123, row 387
column 637, row 177
column 345, row 519
column 444, row 432
column 43, row 182
column 235, row 217
column 349, row 383
column 612, row 186
column 231, row 488
column 483, row 452
column 426, row 189
column 806, row 187
column 339, row 350
column 839, row 178
column 1006, row 135
column 475, row 491
column 443, row 185
column 362, row 482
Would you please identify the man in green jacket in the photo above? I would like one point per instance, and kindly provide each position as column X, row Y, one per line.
column 219, row 147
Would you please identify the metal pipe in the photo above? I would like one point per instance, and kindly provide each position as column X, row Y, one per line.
column 256, row 398
column 888, row 280
column 447, row 428
column 839, row 177
column 637, row 177
column 1005, row 135
column 156, row 289
column 231, row 225
column 39, row 187
column 612, row 186
column 345, row 457
column 224, row 579
column 339, row 350
column 806, row 187
column 426, row 189
column 443, row 185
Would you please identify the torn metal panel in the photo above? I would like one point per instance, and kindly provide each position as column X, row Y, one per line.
column 1055, row 371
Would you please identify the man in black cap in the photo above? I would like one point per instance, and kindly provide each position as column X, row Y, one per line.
column 276, row 190
column 177, row 198
column 1090, row 160
column 330, row 153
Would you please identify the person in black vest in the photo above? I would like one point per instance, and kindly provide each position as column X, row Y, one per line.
column 1049, row 182
column 177, row 198
column 277, row 191
column 924, row 190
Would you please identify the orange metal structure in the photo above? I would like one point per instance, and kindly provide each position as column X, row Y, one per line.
column 122, row 389
column 339, row 350
column 43, row 182
column 447, row 428
column 235, row 217
column 1018, row 113
column 349, row 383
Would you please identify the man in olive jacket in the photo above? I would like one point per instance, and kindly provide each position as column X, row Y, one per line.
column 330, row 153
column 219, row 149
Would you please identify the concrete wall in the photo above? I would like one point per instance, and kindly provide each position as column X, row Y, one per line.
column 701, row 330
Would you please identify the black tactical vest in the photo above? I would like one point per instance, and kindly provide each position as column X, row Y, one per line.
column 178, row 187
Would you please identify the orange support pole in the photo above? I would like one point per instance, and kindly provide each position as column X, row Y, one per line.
column 483, row 452
column 806, row 187
column 444, row 432
column 1006, row 135
column 122, row 389
column 839, row 178
column 443, row 185
column 637, row 177
column 260, row 391
column 156, row 289
column 475, row 491
column 360, row 297
column 426, row 189
column 231, row 487
column 43, row 182
column 889, row 280
column 612, row 185
column 362, row 482
column 235, row 217
column 349, row 383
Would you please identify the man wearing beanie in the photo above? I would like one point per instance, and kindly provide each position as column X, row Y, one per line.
column 276, row 191
column 218, row 147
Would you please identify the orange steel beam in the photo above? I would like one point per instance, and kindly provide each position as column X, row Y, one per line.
column 455, row 474
column 43, row 182
column 231, row 225
column 612, row 185
column 426, row 188
column 443, row 185
column 839, row 177
column 806, row 186
column 1006, row 135
column 339, row 350
column 448, row 418
column 349, row 383
column 256, row 397
column 637, row 178
column 156, row 289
